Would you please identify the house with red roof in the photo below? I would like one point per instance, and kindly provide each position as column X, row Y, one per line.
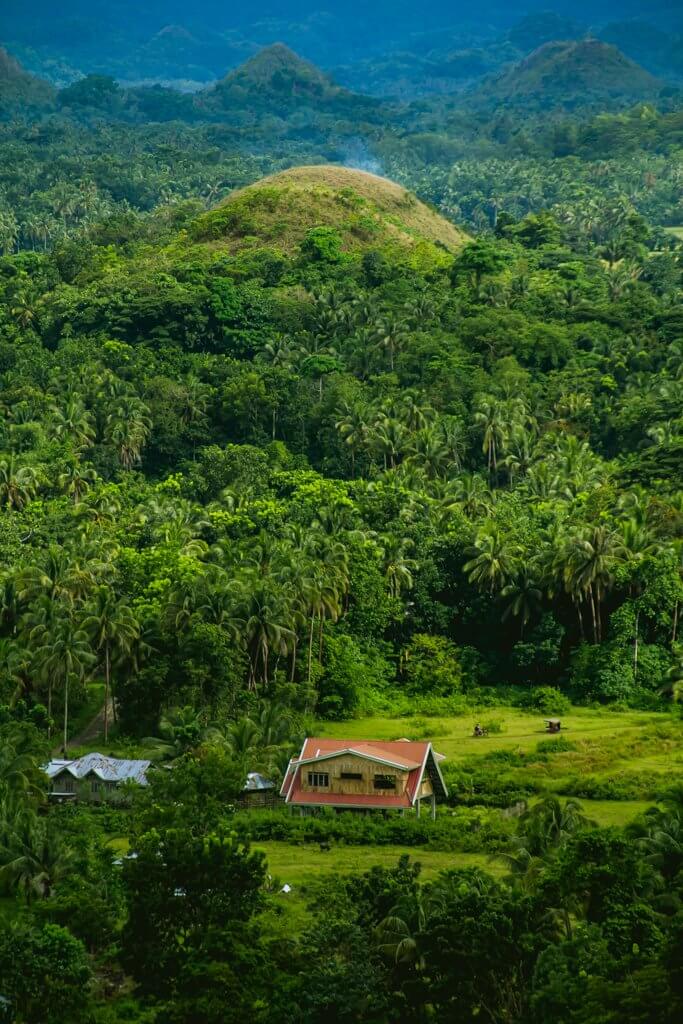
column 364, row 775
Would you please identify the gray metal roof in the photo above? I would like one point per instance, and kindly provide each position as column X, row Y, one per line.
column 108, row 769
column 257, row 781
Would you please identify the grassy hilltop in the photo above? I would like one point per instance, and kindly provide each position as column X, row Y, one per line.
column 365, row 210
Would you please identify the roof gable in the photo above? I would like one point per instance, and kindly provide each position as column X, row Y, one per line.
column 367, row 752
column 415, row 757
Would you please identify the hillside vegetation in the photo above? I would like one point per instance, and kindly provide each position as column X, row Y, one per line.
column 566, row 74
column 19, row 89
column 291, row 449
column 365, row 210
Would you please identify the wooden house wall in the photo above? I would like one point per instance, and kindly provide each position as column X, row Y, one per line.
column 334, row 766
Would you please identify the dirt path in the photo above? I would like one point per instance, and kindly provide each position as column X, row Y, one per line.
column 92, row 731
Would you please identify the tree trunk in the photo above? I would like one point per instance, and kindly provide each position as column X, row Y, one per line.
column 293, row 670
column 310, row 647
column 635, row 648
column 320, row 640
column 106, row 692
column 674, row 629
column 66, row 711
column 596, row 630
column 49, row 709
column 580, row 617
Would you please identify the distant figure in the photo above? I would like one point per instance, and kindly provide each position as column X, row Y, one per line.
column 478, row 731
column 553, row 724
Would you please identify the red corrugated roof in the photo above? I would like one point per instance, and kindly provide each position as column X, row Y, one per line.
column 400, row 750
column 406, row 753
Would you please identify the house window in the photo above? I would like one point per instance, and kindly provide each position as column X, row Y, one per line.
column 110, row 787
column 318, row 779
column 351, row 775
column 385, row 782
column 94, row 786
column 65, row 786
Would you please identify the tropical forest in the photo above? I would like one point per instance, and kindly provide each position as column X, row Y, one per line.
column 341, row 404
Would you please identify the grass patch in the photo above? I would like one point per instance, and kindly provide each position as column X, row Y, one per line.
column 521, row 730
column 299, row 865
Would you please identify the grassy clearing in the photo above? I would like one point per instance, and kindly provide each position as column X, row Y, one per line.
column 520, row 730
column 607, row 813
column 625, row 757
column 298, row 865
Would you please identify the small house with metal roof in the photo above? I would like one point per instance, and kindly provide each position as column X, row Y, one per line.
column 355, row 775
column 94, row 777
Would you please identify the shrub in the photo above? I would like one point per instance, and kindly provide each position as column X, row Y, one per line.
column 322, row 245
column 494, row 726
column 462, row 828
column 432, row 666
column 350, row 675
column 560, row 745
column 625, row 786
column 547, row 700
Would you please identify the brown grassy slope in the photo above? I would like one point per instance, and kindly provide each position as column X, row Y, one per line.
column 365, row 209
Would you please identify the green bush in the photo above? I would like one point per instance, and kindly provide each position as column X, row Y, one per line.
column 494, row 726
column 559, row 745
column 432, row 666
column 464, row 829
column 547, row 701
column 322, row 245
column 625, row 786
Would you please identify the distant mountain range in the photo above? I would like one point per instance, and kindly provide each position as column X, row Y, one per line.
column 277, row 82
column 568, row 74
column 20, row 89
column 403, row 51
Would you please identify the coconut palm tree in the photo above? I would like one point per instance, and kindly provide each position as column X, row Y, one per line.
column 34, row 858
column 128, row 427
column 56, row 575
column 590, row 558
column 73, row 422
column 76, row 480
column 112, row 628
column 18, row 483
column 523, row 596
column 180, row 729
column 494, row 563
column 63, row 653
column 353, row 427
column 390, row 336
column 488, row 415
column 398, row 566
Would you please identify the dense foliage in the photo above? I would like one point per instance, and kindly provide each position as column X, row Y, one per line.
column 276, row 456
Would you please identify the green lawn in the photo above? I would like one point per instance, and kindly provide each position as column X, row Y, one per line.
column 614, row 812
column 298, row 865
column 453, row 736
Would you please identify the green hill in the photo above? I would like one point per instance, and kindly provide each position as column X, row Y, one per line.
column 569, row 74
column 19, row 88
column 276, row 80
column 364, row 210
